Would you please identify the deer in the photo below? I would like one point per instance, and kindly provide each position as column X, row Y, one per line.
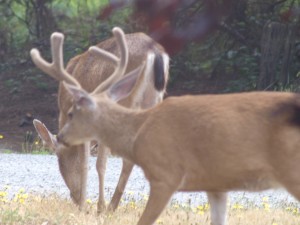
column 216, row 143
column 93, row 72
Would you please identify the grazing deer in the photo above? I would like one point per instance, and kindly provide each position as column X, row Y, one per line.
column 90, row 72
column 212, row 143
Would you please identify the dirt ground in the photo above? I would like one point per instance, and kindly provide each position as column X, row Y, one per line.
column 32, row 94
column 24, row 97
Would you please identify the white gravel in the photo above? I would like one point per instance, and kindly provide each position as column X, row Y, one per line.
column 40, row 174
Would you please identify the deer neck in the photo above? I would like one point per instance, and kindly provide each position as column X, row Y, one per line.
column 118, row 129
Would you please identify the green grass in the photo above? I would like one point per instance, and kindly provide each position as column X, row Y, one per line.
column 6, row 151
column 33, row 152
column 33, row 145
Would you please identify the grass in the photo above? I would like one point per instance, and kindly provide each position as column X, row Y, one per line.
column 6, row 151
column 40, row 151
column 32, row 145
column 23, row 208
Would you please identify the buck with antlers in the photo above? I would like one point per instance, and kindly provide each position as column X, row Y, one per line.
column 88, row 71
column 212, row 143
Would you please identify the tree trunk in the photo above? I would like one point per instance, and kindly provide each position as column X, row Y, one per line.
column 287, row 53
column 39, row 19
column 272, row 42
column 4, row 44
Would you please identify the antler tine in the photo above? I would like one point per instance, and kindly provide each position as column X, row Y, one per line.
column 56, row 68
column 104, row 54
column 120, row 63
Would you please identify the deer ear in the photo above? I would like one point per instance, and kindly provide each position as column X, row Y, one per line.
column 49, row 140
column 125, row 86
column 81, row 98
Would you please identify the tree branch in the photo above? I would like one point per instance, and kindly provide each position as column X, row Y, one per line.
column 272, row 6
column 237, row 35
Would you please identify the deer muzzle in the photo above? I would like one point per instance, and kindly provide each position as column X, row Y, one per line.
column 60, row 140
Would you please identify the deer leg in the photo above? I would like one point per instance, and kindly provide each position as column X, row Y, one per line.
column 125, row 173
column 287, row 169
column 84, row 157
column 290, row 178
column 101, row 168
column 160, row 194
column 218, row 201
column 294, row 190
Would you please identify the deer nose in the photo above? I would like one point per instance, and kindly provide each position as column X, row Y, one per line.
column 61, row 141
column 58, row 138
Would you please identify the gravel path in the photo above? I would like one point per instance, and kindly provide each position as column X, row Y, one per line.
column 40, row 174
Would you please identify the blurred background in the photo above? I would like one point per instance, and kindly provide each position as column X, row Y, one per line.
column 216, row 46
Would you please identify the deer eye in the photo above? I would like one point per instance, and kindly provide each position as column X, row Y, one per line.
column 70, row 115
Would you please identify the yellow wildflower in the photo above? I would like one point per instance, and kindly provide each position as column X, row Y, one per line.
column 130, row 192
column 176, row 206
column 237, row 206
column 159, row 221
column 22, row 190
column 201, row 212
column 206, row 206
column 3, row 194
column 265, row 199
column 266, row 207
column 132, row 205
column 21, row 196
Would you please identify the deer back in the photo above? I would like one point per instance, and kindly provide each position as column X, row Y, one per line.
column 232, row 141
